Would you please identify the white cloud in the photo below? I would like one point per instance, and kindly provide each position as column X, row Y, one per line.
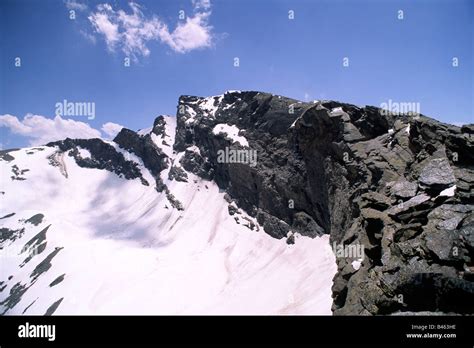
column 201, row 4
column 131, row 32
column 14, row 124
column 111, row 129
column 193, row 34
column 74, row 5
column 41, row 130
column 102, row 24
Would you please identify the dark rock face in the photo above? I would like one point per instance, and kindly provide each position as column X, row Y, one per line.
column 437, row 172
column 143, row 146
column 159, row 127
column 398, row 186
column 194, row 163
column 103, row 156
column 178, row 174
column 304, row 224
column 5, row 156
column 280, row 185
column 404, row 189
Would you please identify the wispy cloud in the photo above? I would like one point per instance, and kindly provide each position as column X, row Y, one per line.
column 41, row 130
column 131, row 31
column 106, row 25
column 111, row 129
column 75, row 5
column 88, row 36
column 201, row 4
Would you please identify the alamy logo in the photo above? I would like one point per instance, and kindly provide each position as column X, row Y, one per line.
column 244, row 156
column 37, row 331
column 393, row 107
column 67, row 108
column 353, row 251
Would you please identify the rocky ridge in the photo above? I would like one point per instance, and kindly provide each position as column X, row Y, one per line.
column 400, row 186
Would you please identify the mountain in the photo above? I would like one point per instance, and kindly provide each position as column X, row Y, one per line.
column 244, row 203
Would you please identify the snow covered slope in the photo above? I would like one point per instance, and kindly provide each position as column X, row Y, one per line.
column 83, row 235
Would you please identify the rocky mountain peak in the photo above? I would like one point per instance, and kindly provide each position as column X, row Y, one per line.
column 393, row 193
column 399, row 185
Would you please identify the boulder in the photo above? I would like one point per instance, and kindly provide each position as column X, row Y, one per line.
column 437, row 174
column 404, row 189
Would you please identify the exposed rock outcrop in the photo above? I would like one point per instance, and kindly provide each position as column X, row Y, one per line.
column 143, row 146
column 400, row 186
column 102, row 156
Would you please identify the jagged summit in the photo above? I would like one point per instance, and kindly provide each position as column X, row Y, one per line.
column 250, row 183
column 360, row 174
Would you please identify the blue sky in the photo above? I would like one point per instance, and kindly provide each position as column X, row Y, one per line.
column 82, row 59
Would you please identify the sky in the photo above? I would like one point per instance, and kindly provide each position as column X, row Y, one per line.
column 363, row 52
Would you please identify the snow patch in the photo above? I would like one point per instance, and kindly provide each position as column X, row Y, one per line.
column 84, row 153
column 194, row 149
column 145, row 131
column 294, row 122
column 210, row 104
column 356, row 264
column 336, row 111
column 232, row 132
column 228, row 106
column 449, row 192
